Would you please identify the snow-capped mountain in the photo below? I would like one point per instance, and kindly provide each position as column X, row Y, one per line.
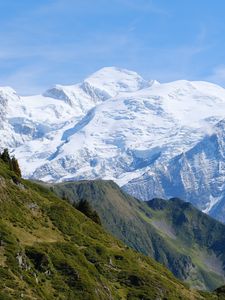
column 197, row 175
column 113, row 125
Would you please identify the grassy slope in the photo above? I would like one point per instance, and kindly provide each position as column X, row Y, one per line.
column 49, row 250
column 153, row 232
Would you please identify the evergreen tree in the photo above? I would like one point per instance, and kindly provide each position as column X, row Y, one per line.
column 64, row 196
column 85, row 207
column 15, row 166
column 5, row 156
column 11, row 162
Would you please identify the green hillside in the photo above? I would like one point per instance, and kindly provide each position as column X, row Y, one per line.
column 50, row 250
column 188, row 242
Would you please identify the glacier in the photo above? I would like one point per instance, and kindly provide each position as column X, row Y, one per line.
column 197, row 175
column 153, row 139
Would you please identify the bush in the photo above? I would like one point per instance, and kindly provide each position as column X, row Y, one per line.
column 39, row 259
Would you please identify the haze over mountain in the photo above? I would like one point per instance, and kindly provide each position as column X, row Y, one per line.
column 117, row 125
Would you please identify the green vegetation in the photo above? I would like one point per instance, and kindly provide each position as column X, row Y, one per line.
column 11, row 162
column 50, row 250
column 220, row 292
column 188, row 242
column 85, row 207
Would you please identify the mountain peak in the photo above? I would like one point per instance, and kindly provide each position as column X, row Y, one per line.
column 105, row 83
column 113, row 72
column 114, row 80
column 6, row 91
column 8, row 94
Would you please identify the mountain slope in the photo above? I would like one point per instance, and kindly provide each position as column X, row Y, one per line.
column 49, row 250
column 156, row 228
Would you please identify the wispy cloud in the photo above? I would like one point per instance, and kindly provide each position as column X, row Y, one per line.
column 53, row 64
column 147, row 6
column 123, row 50
column 99, row 6
column 62, row 41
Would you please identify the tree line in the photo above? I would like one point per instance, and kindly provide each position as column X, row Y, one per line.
column 12, row 162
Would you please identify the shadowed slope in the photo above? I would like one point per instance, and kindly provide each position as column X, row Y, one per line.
column 174, row 233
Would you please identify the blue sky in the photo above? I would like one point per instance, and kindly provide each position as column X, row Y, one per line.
column 46, row 42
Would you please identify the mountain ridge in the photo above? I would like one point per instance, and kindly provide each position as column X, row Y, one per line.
column 156, row 228
column 113, row 125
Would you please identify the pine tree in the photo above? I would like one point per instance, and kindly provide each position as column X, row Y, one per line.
column 85, row 207
column 15, row 166
column 64, row 196
column 5, row 156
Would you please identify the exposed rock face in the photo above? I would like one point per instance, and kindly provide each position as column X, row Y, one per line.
column 197, row 175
